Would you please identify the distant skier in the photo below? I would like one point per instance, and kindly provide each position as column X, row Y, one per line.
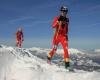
column 60, row 24
column 19, row 37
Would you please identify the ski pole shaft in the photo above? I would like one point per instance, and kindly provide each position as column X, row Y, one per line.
column 57, row 33
column 58, row 29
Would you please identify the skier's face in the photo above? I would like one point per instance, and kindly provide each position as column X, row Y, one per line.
column 20, row 29
column 63, row 13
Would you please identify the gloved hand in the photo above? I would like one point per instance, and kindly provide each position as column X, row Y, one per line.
column 64, row 20
column 61, row 18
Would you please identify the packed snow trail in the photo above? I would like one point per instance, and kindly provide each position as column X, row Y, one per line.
column 30, row 64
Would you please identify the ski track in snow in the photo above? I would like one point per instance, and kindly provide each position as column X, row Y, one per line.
column 30, row 64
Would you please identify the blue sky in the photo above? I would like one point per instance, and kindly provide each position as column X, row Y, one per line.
column 36, row 17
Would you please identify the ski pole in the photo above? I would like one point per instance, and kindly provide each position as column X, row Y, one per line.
column 57, row 32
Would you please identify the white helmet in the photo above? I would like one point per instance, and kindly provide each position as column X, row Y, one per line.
column 64, row 8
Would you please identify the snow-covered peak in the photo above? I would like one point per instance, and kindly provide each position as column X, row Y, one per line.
column 75, row 51
column 59, row 51
column 97, row 50
column 2, row 46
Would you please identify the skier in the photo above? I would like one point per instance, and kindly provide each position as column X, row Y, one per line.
column 19, row 37
column 60, row 24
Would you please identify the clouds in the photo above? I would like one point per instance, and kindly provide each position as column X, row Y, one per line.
column 85, row 43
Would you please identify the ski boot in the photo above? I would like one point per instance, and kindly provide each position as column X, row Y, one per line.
column 67, row 65
column 48, row 60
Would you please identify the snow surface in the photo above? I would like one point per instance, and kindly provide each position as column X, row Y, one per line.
column 30, row 64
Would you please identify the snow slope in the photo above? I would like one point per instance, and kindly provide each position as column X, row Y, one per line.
column 30, row 64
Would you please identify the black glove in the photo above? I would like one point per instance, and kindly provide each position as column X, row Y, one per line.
column 61, row 18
